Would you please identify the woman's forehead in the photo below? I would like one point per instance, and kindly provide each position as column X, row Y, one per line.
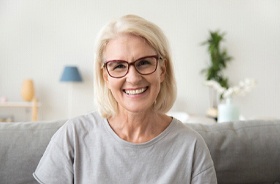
column 127, row 47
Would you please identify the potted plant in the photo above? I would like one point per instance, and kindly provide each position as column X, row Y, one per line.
column 214, row 71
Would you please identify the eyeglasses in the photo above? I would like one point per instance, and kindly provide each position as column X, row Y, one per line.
column 144, row 66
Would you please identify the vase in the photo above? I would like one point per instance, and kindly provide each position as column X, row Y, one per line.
column 27, row 90
column 228, row 112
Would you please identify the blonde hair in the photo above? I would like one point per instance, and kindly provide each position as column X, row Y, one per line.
column 138, row 26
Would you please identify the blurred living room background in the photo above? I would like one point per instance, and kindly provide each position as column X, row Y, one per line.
column 38, row 39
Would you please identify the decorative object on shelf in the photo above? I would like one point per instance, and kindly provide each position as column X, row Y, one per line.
column 7, row 119
column 228, row 111
column 70, row 74
column 27, row 90
column 214, row 71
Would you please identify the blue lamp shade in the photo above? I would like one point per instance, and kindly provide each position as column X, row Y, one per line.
column 71, row 74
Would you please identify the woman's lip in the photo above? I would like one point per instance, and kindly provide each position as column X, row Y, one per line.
column 135, row 91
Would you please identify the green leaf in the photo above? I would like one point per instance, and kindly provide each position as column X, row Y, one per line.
column 219, row 58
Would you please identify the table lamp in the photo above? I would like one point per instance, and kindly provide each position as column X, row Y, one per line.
column 70, row 75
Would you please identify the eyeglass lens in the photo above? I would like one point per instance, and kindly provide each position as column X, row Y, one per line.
column 144, row 66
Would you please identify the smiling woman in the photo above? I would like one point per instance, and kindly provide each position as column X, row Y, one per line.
column 129, row 47
column 130, row 139
column 158, row 45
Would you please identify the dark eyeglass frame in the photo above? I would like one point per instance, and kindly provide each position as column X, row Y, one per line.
column 133, row 63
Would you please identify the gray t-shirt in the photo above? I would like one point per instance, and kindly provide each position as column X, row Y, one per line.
column 86, row 150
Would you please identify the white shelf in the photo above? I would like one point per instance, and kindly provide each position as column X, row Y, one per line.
column 34, row 105
column 18, row 104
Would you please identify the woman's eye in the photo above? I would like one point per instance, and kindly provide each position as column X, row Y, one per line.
column 143, row 63
column 119, row 66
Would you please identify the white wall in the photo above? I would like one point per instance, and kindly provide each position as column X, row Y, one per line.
column 37, row 38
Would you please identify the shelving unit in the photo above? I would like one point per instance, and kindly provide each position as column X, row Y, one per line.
column 33, row 105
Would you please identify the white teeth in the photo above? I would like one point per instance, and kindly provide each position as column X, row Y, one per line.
column 135, row 92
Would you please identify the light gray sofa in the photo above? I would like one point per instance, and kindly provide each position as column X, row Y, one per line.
column 243, row 152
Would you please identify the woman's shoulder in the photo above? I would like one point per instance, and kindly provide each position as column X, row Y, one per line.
column 83, row 123
column 90, row 119
column 183, row 128
column 185, row 132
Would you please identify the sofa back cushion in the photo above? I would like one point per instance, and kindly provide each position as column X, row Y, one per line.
column 21, row 147
column 244, row 152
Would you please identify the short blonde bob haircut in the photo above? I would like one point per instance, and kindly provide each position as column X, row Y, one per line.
column 133, row 25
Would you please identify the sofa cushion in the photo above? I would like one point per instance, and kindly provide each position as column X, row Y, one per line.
column 244, row 152
column 21, row 147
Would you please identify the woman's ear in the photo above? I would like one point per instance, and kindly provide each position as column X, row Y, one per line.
column 105, row 76
column 163, row 70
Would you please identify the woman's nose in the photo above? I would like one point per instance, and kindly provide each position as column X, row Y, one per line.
column 133, row 75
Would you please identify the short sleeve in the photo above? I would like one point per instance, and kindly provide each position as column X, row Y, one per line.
column 207, row 176
column 56, row 165
column 204, row 171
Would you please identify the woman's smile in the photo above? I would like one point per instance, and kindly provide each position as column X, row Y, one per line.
column 135, row 91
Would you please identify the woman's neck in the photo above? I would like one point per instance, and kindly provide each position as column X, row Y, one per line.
column 139, row 127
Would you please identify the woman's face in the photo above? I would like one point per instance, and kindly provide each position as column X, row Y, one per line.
column 134, row 92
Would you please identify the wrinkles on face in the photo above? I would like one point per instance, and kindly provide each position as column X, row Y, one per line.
column 133, row 92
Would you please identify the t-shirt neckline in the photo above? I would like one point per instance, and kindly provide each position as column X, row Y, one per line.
column 144, row 144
